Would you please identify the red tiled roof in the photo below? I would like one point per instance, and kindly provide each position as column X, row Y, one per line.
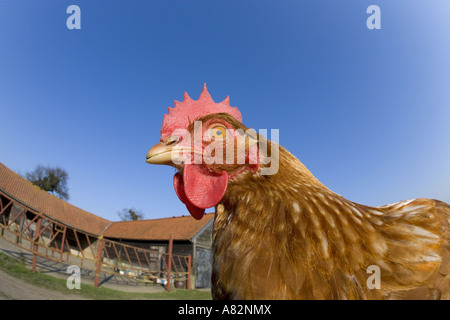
column 50, row 206
column 182, row 228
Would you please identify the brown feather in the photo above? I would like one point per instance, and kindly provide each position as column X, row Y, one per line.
column 287, row 236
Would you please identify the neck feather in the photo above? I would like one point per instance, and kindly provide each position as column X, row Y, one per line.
column 300, row 216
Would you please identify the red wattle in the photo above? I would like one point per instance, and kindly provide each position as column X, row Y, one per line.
column 178, row 185
column 199, row 188
column 203, row 188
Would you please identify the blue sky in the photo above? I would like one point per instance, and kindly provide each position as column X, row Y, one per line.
column 367, row 111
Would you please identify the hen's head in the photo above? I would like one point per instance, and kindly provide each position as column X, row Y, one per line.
column 209, row 146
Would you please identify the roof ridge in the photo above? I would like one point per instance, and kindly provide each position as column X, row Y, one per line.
column 161, row 218
column 183, row 228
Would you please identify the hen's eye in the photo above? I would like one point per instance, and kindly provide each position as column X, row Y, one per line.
column 172, row 140
column 218, row 132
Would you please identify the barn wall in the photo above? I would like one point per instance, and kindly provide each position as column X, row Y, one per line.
column 204, row 239
column 179, row 247
column 199, row 249
column 202, row 258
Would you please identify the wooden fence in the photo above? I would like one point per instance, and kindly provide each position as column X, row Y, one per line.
column 53, row 240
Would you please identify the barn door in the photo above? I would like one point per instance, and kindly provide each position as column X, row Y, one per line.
column 203, row 279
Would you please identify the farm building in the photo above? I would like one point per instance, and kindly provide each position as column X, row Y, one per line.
column 189, row 238
column 48, row 226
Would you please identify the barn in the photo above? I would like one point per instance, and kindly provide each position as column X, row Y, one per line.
column 50, row 227
column 188, row 235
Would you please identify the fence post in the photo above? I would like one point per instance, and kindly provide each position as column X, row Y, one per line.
column 63, row 239
column 169, row 267
column 35, row 245
column 98, row 264
column 189, row 272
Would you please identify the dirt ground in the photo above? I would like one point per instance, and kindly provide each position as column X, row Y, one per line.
column 13, row 288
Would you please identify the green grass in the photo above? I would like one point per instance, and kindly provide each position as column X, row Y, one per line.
column 19, row 270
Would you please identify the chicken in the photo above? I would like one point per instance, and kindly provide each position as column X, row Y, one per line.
column 281, row 234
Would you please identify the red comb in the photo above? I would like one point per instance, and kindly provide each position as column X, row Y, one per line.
column 188, row 110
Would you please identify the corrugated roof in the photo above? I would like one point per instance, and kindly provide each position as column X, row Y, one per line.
column 182, row 228
column 50, row 206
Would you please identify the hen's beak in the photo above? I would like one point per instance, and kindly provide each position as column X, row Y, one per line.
column 160, row 154
column 171, row 154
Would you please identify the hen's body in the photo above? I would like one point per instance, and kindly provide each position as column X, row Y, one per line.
column 287, row 236
column 281, row 234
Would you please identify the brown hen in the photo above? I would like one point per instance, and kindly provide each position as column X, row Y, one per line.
column 281, row 234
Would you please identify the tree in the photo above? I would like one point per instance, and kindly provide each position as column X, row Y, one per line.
column 50, row 179
column 130, row 214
